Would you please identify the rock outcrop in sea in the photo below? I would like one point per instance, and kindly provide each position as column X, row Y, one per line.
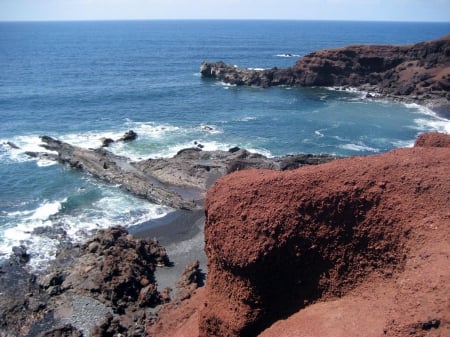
column 419, row 72
column 354, row 247
column 180, row 182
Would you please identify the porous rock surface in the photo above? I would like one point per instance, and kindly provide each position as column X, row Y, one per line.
column 355, row 247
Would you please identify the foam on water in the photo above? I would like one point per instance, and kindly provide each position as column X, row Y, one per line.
column 77, row 222
column 14, row 150
column 287, row 55
column 432, row 121
column 20, row 227
column 361, row 147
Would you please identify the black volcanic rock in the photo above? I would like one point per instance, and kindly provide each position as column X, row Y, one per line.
column 128, row 136
column 181, row 181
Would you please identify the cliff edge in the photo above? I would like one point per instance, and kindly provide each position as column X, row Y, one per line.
column 354, row 247
column 419, row 72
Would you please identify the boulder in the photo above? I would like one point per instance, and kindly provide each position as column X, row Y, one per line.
column 128, row 136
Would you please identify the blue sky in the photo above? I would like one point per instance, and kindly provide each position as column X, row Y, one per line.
column 390, row 10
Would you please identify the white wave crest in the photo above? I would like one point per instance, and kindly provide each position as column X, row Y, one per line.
column 114, row 208
column 46, row 210
column 358, row 148
column 287, row 55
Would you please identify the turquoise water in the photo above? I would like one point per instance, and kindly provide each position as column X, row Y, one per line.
column 80, row 81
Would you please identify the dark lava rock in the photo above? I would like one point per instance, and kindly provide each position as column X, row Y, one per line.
column 65, row 331
column 128, row 136
column 106, row 142
column 20, row 254
column 112, row 267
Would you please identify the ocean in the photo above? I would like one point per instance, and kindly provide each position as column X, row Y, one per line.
column 81, row 81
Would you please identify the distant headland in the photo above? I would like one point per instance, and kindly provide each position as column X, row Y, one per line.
column 418, row 73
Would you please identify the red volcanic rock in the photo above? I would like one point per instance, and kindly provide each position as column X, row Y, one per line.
column 355, row 247
column 433, row 139
column 419, row 72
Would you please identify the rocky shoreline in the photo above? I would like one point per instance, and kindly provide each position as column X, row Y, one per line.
column 110, row 283
column 179, row 182
column 277, row 264
column 418, row 73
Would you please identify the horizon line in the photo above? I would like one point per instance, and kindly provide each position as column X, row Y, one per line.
column 216, row 19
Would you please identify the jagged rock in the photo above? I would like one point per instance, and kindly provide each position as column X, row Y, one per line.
column 20, row 254
column 109, row 327
column 118, row 170
column 191, row 279
column 106, row 142
column 419, row 72
column 128, row 136
column 114, row 270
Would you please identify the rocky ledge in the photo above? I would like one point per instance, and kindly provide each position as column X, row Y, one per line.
column 354, row 247
column 180, row 182
column 419, row 72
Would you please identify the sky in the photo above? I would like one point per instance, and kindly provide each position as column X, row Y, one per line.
column 378, row 10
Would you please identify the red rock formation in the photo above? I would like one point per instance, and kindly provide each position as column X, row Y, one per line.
column 355, row 247
column 419, row 72
column 433, row 139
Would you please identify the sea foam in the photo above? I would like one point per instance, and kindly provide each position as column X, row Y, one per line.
column 71, row 222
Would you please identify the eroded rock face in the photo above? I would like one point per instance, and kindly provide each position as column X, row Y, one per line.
column 278, row 241
column 419, row 72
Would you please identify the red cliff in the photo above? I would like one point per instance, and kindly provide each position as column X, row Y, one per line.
column 419, row 72
column 355, row 247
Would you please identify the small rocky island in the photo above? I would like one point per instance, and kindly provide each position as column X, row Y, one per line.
column 417, row 73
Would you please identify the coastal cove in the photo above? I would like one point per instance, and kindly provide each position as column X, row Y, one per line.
column 109, row 77
column 66, row 105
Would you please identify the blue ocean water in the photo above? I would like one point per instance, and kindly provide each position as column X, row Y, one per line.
column 80, row 81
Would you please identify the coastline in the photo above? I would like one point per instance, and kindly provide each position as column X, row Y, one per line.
column 438, row 106
column 181, row 232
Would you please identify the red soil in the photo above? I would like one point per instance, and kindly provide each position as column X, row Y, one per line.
column 356, row 247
